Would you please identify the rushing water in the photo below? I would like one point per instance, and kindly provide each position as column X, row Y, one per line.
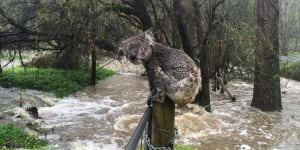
column 104, row 117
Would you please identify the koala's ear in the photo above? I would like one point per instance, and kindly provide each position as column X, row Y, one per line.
column 149, row 31
column 148, row 36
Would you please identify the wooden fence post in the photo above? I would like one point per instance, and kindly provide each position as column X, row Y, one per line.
column 163, row 123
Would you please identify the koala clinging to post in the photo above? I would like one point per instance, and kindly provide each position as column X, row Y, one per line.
column 170, row 71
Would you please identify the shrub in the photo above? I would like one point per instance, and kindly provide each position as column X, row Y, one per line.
column 290, row 70
column 295, row 71
column 46, row 61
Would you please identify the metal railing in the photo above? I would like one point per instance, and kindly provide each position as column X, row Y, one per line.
column 136, row 136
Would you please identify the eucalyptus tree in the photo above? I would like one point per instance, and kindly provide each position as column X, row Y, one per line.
column 266, row 92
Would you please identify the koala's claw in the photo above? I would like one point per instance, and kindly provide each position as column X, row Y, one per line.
column 157, row 71
column 157, row 95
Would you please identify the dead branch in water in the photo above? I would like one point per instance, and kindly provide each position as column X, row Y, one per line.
column 226, row 90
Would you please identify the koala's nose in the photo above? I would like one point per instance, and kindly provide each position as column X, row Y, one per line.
column 132, row 55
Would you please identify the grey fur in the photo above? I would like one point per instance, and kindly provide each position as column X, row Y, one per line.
column 170, row 71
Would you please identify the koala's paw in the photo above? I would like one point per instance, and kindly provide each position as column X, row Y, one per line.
column 157, row 95
column 157, row 71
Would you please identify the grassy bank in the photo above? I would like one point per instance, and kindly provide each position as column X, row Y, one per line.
column 60, row 82
column 13, row 137
column 291, row 69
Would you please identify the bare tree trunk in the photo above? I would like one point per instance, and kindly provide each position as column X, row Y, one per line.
column 203, row 96
column 176, row 43
column 182, row 27
column 266, row 92
column 94, row 67
column 142, row 13
column 91, row 45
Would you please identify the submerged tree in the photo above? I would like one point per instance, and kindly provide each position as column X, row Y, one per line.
column 266, row 92
column 204, row 31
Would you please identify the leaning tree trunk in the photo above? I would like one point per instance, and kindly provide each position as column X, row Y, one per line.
column 266, row 92
column 205, row 92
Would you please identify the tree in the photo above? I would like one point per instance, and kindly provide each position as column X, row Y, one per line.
column 140, row 8
column 288, row 25
column 75, row 30
column 266, row 92
column 179, row 13
column 203, row 38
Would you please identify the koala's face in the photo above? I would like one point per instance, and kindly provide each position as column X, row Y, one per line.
column 137, row 49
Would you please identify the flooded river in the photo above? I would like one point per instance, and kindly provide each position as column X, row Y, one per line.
column 103, row 117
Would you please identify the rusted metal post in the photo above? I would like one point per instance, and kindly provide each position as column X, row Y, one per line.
column 163, row 123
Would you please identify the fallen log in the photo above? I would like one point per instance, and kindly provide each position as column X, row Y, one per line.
column 226, row 90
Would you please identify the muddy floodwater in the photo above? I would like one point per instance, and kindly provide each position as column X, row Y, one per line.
column 103, row 117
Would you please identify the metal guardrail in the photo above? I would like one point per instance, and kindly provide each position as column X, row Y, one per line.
column 132, row 144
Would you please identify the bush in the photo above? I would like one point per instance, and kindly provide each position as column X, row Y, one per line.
column 60, row 82
column 295, row 71
column 290, row 70
column 13, row 137
column 46, row 61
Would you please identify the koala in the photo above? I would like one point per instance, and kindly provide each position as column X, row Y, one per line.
column 170, row 71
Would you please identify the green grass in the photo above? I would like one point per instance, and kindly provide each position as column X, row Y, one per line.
column 291, row 69
column 292, row 43
column 60, row 82
column 7, row 57
column 13, row 137
column 294, row 53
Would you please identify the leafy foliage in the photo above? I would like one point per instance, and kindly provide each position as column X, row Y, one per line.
column 296, row 71
column 294, row 53
column 12, row 137
column 233, row 53
column 60, row 82
column 291, row 69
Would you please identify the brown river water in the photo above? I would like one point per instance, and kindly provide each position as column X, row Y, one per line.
column 104, row 116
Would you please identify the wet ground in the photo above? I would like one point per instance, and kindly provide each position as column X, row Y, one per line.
column 105, row 116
